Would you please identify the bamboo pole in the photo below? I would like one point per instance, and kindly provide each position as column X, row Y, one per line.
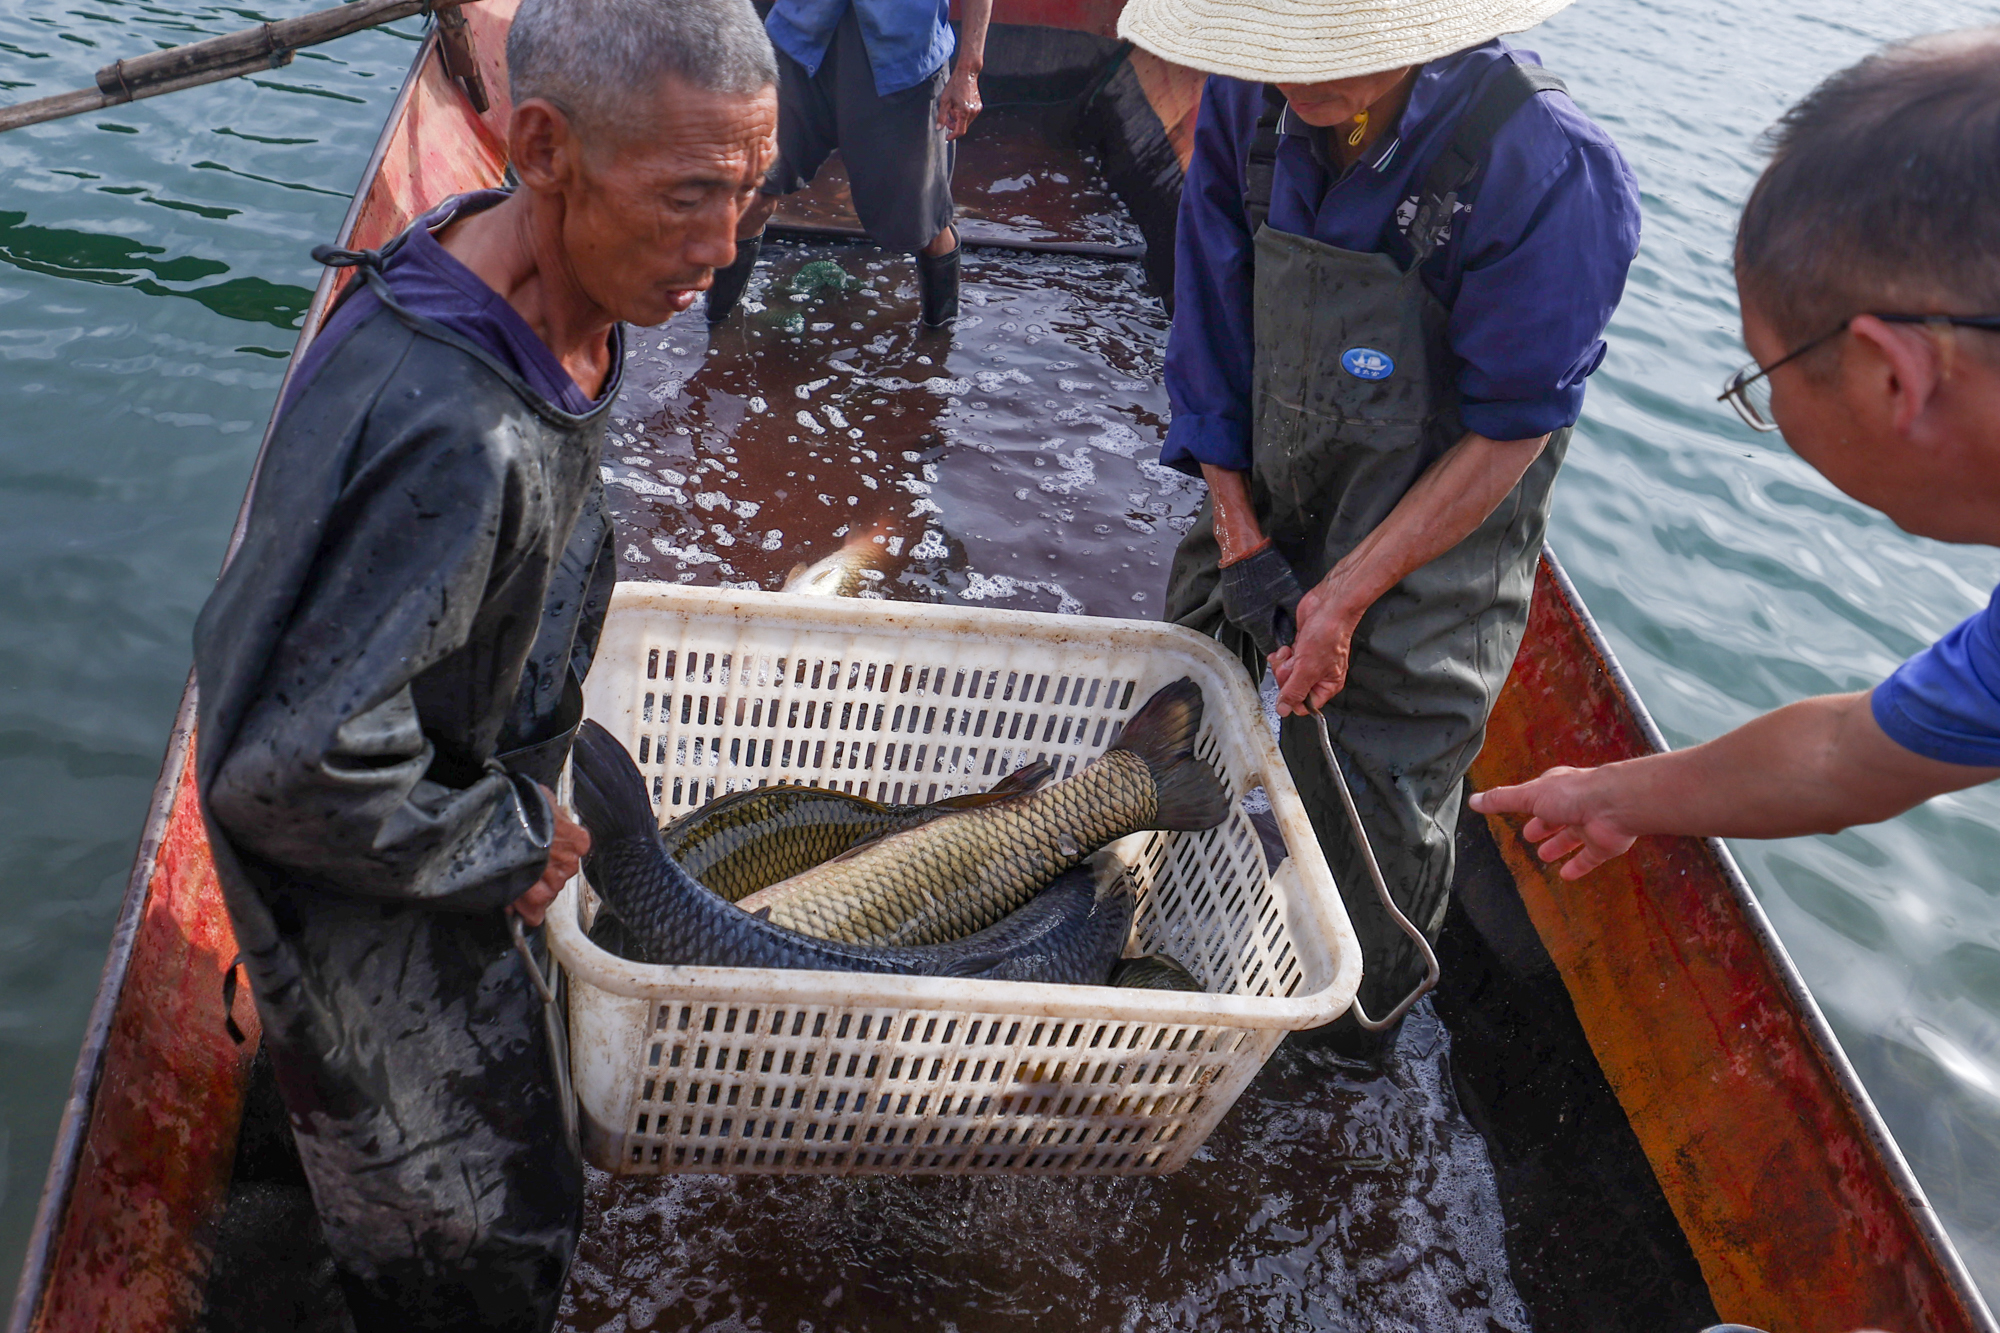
column 267, row 46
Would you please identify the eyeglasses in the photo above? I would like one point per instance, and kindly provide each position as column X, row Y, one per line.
column 1749, row 389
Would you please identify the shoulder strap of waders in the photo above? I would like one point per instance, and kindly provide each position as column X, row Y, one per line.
column 1511, row 88
column 1262, row 165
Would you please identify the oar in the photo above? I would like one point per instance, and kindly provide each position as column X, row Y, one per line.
column 267, row 46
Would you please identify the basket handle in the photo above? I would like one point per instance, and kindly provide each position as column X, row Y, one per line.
column 1433, row 971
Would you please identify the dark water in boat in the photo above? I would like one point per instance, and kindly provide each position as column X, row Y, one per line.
column 1330, row 1199
column 1011, row 464
column 155, row 266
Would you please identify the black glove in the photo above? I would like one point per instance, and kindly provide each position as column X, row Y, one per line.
column 1261, row 595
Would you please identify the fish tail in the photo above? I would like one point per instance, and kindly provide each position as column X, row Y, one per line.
column 607, row 789
column 1162, row 733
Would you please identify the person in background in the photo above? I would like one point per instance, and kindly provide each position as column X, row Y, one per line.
column 390, row 666
column 1868, row 271
column 1399, row 245
column 876, row 80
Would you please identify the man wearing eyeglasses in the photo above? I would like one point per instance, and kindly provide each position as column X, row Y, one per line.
column 1868, row 274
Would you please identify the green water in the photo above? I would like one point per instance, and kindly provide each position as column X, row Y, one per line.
column 155, row 263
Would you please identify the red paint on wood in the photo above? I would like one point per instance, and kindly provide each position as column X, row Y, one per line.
column 1796, row 1220
column 1097, row 16
column 161, row 1142
column 162, row 1137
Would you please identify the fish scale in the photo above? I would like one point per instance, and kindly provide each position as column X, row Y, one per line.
column 998, row 858
column 739, row 843
column 776, row 835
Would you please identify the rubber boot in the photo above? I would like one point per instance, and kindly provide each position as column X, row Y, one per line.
column 727, row 288
column 937, row 279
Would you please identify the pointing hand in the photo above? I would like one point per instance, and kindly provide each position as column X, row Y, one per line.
column 1570, row 811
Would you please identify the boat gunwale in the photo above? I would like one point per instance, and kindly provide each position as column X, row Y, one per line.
column 73, row 1129
column 1824, row 1043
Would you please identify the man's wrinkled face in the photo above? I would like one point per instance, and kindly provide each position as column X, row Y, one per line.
column 652, row 212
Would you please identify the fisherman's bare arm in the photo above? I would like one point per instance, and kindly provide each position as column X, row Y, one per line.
column 960, row 105
column 1817, row 766
column 1452, row 498
column 566, row 852
column 1237, row 531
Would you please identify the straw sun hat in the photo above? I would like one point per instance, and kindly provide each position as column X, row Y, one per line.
column 1310, row 41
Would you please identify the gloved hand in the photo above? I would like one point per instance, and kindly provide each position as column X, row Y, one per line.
column 1261, row 595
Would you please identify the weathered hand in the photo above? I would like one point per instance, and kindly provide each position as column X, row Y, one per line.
column 1314, row 668
column 1570, row 810
column 960, row 105
column 566, row 853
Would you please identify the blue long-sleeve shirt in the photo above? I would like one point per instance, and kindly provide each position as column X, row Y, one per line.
column 1531, row 271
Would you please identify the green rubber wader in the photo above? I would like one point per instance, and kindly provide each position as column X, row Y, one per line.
column 1331, row 455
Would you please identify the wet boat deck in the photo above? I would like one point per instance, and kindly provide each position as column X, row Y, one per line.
column 1009, row 462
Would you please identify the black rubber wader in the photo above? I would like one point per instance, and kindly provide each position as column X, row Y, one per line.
column 1331, row 455
column 422, row 1074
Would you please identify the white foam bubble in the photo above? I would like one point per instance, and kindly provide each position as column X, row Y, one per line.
column 1079, row 473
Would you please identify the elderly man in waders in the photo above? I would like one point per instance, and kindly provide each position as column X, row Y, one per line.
column 390, row 666
column 877, row 80
column 1399, row 245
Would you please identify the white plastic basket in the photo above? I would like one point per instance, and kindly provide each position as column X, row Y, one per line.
column 714, row 1069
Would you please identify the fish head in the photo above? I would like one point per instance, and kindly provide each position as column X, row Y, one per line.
column 857, row 569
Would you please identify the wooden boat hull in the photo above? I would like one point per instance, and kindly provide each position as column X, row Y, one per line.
column 1795, row 1202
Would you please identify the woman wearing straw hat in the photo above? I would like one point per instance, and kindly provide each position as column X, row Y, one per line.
column 1399, row 244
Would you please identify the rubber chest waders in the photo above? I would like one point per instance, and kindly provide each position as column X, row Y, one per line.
column 1353, row 395
column 419, row 1063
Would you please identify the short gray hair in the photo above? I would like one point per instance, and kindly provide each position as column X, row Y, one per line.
column 598, row 59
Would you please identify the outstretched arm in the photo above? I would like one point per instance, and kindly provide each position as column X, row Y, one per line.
column 1817, row 766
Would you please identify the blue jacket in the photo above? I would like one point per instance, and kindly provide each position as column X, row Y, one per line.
column 1531, row 271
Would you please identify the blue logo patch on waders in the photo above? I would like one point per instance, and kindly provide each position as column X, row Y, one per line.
column 1365, row 363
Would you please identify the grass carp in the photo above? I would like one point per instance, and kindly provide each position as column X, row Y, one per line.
column 748, row 840
column 1155, row 971
column 1073, row 931
column 963, row 871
